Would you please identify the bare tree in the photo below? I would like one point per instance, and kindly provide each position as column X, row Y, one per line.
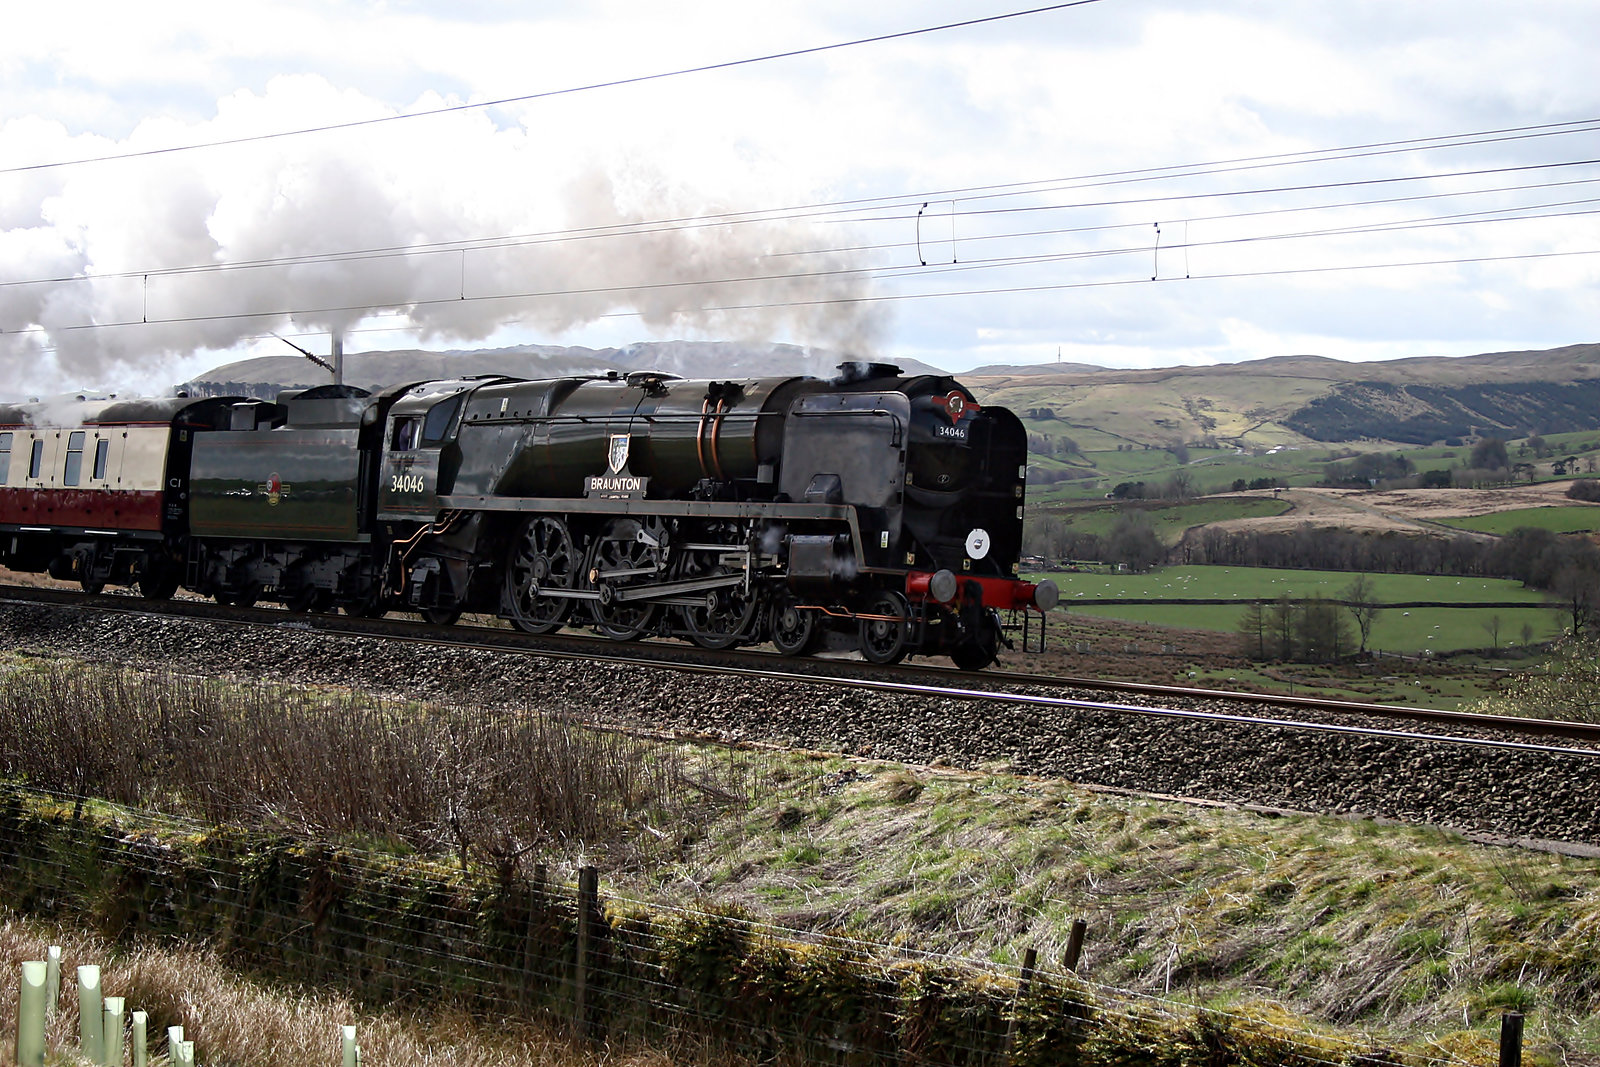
column 1253, row 630
column 1280, row 620
column 1361, row 600
column 1323, row 636
column 1577, row 588
column 1492, row 627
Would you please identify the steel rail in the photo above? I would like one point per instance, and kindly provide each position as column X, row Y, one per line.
column 1516, row 723
column 629, row 655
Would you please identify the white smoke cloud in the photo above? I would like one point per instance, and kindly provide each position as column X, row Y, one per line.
column 123, row 270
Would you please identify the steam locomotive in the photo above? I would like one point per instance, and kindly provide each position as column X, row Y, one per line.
column 873, row 510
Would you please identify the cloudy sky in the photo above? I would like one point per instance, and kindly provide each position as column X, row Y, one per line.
column 1118, row 182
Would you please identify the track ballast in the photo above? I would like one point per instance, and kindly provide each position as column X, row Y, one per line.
column 1528, row 783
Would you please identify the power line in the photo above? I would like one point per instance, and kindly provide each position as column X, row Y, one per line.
column 612, row 84
column 812, row 302
column 646, row 228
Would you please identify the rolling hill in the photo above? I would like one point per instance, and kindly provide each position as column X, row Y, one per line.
column 266, row 375
column 1282, row 401
column 1298, row 400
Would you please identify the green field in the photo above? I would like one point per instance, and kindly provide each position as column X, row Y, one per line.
column 1294, row 462
column 1407, row 630
column 1578, row 518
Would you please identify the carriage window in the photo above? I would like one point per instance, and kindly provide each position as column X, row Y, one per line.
column 437, row 428
column 102, row 451
column 405, row 433
column 74, row 470
column 36, row 461
column 5, row 457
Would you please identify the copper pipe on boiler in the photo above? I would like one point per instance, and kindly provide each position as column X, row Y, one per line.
column 716, row 439
column 700, row 438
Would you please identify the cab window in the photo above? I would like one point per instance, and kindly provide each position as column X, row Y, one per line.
column 406, row 431
column 437, row 427
column 36, row 461
column 5, row 457
column 102, row 451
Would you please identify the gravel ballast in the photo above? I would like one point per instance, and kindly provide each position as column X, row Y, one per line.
column 1497, row 792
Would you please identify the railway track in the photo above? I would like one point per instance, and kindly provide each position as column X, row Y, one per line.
column 914, row 679
column 1506, row 778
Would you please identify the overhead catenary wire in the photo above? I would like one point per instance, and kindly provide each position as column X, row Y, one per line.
column 1503, row 214
column 889, row 271
column 453, row 247
column 479, row 105
column 853, row 299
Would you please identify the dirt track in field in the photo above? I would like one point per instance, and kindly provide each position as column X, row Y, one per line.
column 1413, row 510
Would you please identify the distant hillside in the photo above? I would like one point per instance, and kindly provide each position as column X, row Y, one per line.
column 265, row 376
column 991, row 370
column 1286, row 400
column 1289, row 400
column 1423, row 414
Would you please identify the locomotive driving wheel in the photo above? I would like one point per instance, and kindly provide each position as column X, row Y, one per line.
column 724, row 615
column 542, row 557
column 626, row 552
column 885, row 628
column 794, row 630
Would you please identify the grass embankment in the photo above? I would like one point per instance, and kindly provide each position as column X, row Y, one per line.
column 1413, row 933
column 1405, row 630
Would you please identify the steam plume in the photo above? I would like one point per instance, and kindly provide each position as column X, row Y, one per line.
column 87, row 253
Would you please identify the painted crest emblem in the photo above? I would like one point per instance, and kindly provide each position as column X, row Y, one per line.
column 274, row 488
column 617, row 455
column 955, row 405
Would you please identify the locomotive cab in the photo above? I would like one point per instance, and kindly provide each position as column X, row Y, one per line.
column 421, row 456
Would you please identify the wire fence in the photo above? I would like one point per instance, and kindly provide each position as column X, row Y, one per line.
column 388, row 928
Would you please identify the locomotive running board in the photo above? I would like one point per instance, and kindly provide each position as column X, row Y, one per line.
column 697, row 509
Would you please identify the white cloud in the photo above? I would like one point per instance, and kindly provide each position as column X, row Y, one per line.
column 1094, row 90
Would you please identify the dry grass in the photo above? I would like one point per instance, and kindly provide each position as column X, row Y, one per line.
column 237, row 1022
column 494, row 783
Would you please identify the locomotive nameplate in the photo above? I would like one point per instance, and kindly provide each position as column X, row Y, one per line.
column 616, row 486
column 617, row 483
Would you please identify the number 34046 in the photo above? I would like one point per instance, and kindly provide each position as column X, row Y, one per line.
column 405, row 482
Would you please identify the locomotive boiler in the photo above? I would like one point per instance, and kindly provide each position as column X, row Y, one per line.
column 873, row 510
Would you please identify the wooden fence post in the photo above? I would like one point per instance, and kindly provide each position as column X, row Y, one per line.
column 30, row 1015
column 588, row 904
column 91, row 1031
column 1075, row 944
column 1511, row 1039
column 1030, row 959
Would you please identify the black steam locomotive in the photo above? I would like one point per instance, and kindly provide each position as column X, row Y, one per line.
column 872, row 510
